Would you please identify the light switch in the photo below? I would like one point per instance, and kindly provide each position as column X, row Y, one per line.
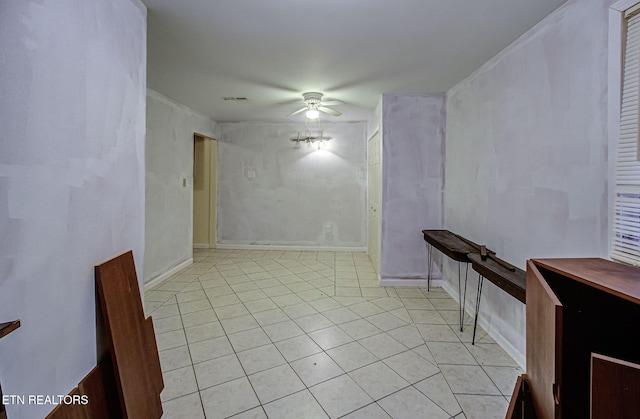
column 249, row 173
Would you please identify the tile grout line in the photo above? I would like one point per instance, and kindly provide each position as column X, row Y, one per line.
column 293, row 318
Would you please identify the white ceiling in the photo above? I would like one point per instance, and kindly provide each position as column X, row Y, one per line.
column 271, row 51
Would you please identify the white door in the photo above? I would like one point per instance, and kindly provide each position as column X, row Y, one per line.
column 374, row 192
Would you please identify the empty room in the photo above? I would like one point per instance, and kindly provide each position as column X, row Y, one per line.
column 358, row 209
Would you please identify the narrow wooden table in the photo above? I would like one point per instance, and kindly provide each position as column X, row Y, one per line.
column 8, row 327
column 456, row 248
column 513, row 281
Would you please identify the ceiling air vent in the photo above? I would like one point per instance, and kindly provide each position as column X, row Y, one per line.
column 234, row 98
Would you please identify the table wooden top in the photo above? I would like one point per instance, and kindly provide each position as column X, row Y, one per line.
column 8, row 327
column 450, row 244
column 612, row 277
column 512, row 281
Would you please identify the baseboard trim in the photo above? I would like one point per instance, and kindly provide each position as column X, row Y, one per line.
column 494, row 333
column 200, row 245
column 406, row 282
column 160, row 278
column 289, row 248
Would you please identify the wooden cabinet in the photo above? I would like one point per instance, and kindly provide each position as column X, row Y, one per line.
column 578, row 309
column 615, row 387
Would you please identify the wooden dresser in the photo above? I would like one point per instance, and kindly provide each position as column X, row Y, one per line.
column 582, row 322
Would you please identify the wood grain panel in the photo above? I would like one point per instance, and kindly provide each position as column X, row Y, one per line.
column 128, row 336
column 154, row 367
column 100, row 387
column 614, row 388
column 450, row 244
column 69, row 411
column 544, row 344
column 614, row 278
column 3, row 412
column 8, row 327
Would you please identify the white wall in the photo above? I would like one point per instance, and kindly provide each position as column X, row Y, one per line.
column 169, row 177
column 412, row 180
column 526, row 163
column 72, row 124
column 375, row 121
column 270, row 193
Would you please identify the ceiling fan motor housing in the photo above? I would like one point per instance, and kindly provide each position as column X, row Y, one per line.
column 313, row 104
column 312, row 98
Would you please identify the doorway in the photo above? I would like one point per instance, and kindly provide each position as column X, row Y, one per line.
column 205, row 156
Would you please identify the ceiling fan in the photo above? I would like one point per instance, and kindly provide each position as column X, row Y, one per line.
column 313, row 105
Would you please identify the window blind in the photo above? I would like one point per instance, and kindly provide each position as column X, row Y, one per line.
column 626, row 225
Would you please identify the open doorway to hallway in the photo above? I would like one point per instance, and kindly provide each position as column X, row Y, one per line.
column 205, row 153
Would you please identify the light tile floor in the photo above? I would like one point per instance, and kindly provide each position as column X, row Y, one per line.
column 282, row 334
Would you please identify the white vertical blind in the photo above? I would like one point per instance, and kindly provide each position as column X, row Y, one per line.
column 626, row 225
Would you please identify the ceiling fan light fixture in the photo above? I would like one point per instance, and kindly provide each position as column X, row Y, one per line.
column 313, row 105
column 312, row 114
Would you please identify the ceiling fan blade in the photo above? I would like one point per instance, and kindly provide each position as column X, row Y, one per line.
column 298, row 111
column 292, row 102
column 329, row 111
column 332, row 102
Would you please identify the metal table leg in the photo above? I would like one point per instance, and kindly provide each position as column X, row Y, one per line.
column 462, row 295
column 429, row 250
column 478, row 295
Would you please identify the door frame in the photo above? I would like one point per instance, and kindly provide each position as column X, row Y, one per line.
column 213, row 188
